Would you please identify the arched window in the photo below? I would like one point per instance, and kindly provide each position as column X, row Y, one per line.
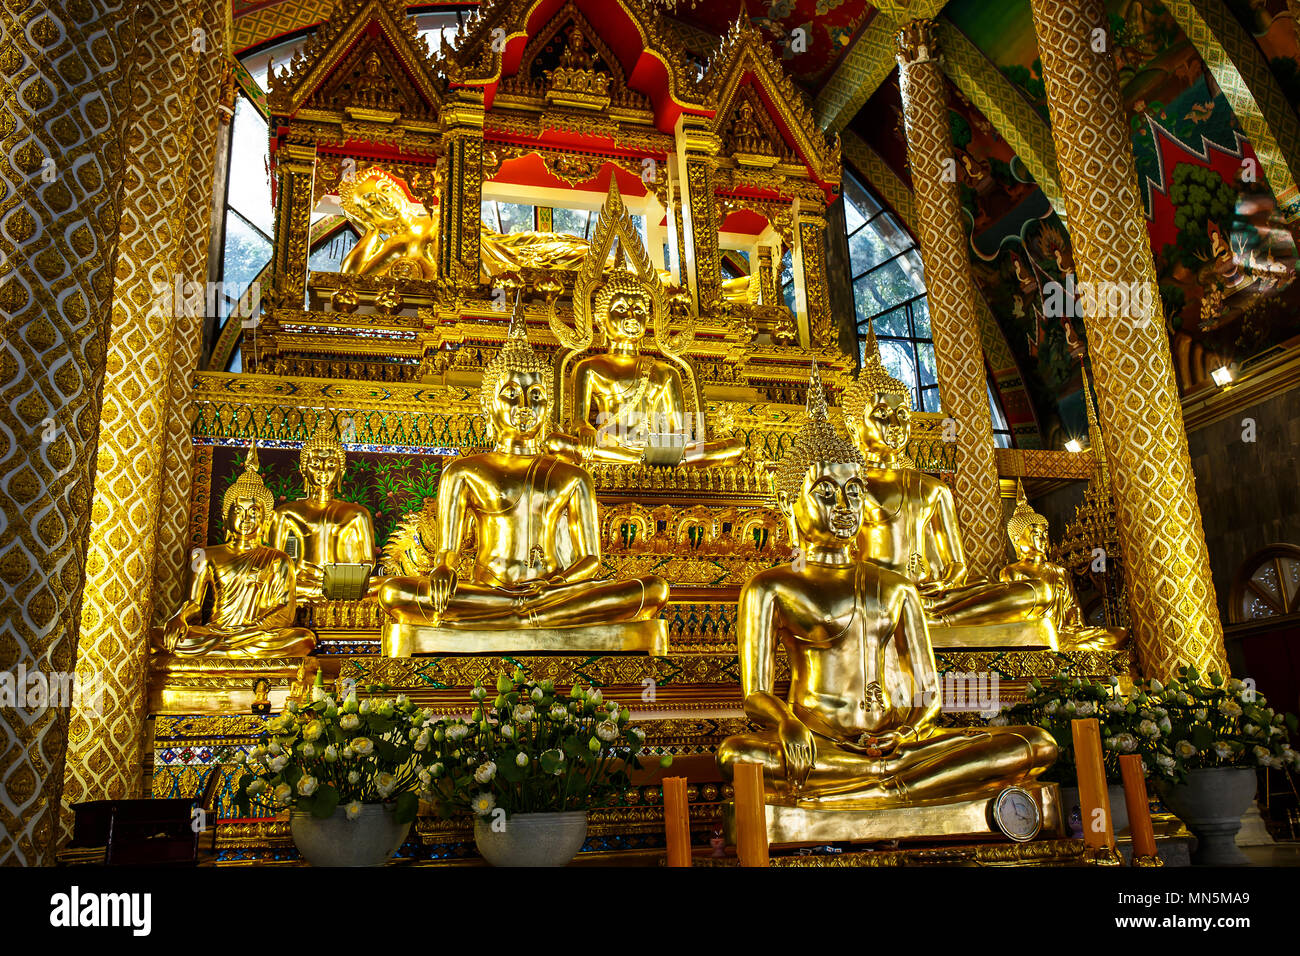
column 889, row 296
column 1266, row 585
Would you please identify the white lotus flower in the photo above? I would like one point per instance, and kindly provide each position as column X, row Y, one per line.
column 307, row 785
column 485, row 772
column 353, row 809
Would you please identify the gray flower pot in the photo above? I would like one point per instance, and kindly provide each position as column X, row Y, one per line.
column 369, row 840
column 1074, row 816
column 1211, row 803
column 532, row 839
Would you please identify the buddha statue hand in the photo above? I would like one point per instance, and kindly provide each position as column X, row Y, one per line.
column 798, row 748
column 442, row 585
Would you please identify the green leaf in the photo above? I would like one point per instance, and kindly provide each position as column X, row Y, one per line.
column 325, row 801
column 406, row 807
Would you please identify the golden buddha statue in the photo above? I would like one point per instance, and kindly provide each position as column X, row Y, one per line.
column 856, row 729
column 1027, row 530
column 252, row 586
column 914, row 529
column 631, row 407
column 323, row 529
column 535, row 517
column 396, row 239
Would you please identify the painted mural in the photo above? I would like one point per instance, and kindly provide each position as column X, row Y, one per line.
column 1225, row 259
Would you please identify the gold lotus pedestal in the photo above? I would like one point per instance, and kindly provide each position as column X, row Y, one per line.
column 962, row 819
column 633, row 637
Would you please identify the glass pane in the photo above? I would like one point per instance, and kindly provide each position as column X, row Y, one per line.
column 866, row 249
column 246, row 255
column 894, row 236
column 570, row 221
column 1001, row 440
column 857, row 201
column 249, row 188
column 910, row 263
column 328, row 255
column 893, row 322
column 930, row 400
column 995, row 410
column 1266, row 578
column 898, row 361
column 257, row 63
column 883, row 289
column 1291, row 572
column 929, row 374
column 787, row 280
column 921, row 318
column 515, row 217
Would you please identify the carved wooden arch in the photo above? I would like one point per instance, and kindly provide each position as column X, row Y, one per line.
column 1244, row 586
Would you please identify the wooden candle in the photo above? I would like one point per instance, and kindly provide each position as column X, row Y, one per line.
column 1094, row 800
column 677, row 822
column 751, row 815
column 1139, row 811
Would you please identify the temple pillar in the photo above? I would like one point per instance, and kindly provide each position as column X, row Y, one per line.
column 207, row 160
column 1171, row 595
column 696, row 147
column 460, row 200
column 150, row 291
column 62, row 165
column 295, row 170
column 951, row 293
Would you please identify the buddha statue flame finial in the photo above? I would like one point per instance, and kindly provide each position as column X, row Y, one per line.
column 818, row 443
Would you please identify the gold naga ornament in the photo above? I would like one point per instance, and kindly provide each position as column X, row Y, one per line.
column 1028, row 531
column 252, row 586
column 319, row 529
column 533, row 584
column 629, row 407
column 914, row 528
column 856, row 730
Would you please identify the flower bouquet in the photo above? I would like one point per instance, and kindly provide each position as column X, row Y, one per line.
column 1220, row 723
column 528, row 765
column 351, row 767
column 1054, row 703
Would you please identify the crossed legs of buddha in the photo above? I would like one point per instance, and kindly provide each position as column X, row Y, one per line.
column 943, row 765
column 409, row 600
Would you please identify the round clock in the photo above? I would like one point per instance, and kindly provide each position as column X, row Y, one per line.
column 1017, row 814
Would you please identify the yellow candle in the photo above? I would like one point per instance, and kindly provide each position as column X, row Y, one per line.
column 1139, row 809
column 751, row 816
column 677, row 822
column 1094, row 800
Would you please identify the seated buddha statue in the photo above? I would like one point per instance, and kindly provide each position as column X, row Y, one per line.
column 624, row 401
column 252, row 587
column 914, row 529
column 1027, row 530
column 857, row 727
column 522, row 501
column 325, row 529
column 396, row 239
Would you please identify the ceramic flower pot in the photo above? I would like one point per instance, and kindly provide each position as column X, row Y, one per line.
column 369, row 840
column 532, row 839
column 1211, row 803
column 1074, row 816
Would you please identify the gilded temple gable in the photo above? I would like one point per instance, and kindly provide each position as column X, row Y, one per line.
column 366, row 62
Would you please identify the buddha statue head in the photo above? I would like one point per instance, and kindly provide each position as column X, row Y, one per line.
column 818, row 483
column 1027, row 529
column 322, row 460
column 247, row 506
column 516, row 391
column 878, row 408
column 376, row 199
column 623, row 307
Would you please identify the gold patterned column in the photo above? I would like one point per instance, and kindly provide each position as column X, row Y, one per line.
column 172, row 45
column 295, row 168
column 1167, row 567
column 460, row 203
column 810, row 272
column 67, row 94
column 950, row 291
column 696, row 147
column 171, row 556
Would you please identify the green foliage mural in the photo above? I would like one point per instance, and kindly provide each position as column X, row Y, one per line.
column 390, row 485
